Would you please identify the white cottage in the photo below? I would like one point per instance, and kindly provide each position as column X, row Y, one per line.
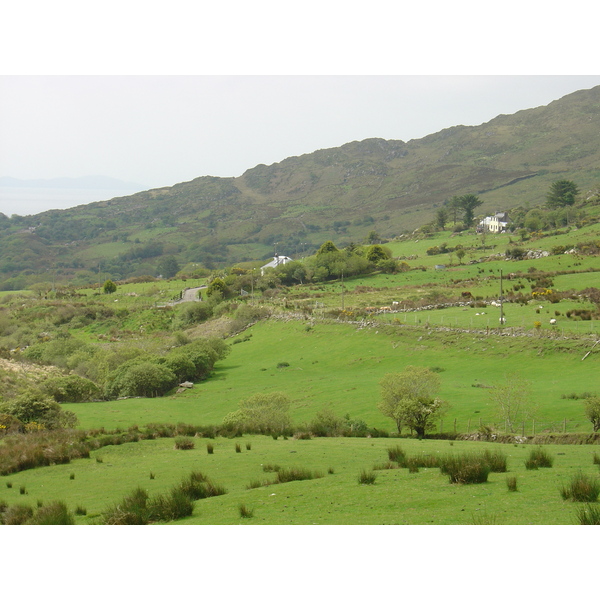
column 277, row 260
column 495, row 224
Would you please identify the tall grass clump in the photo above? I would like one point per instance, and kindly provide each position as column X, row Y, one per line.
column 496, row 460
column 588, row 515
column 511, row 484
column 582, row 488
column 132, row 510
column 54, row 513
column 184, row 443
column 366, row 477
column 210, row 448
column 284, row 475
column 197, row 486
column 238, row 448
column 245, row 512
column 396, row 454
column 17, row 514
column 596, row 458
column 538, row 458
column 465, row 468
column 170, row 507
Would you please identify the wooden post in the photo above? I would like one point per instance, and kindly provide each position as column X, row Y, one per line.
column 523, row 429
column 455, row 425
column 565, row 426
column 479, row 421
column 469, row 427
column 534, row 427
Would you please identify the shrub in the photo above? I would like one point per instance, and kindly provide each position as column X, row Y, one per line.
column 588, row 515
column 184, row 443
column 511, row 484
column 465, row 468
column 245, row 512
column 582, row 488
column 55, row 513
column 366, row 477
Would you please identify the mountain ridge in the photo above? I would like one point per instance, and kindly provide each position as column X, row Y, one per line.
column 340, row 193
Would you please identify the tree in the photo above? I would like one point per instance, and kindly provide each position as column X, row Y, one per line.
column 140, row 377
column 562, row 193
column 168, row 266
column 454, row 207
column 326, row 248
column 409, row 399
column 262, row 413
column 441, row 217
column 109, row 287
column 592, row 411
column 512, row 400
column 460, row 254
column 376, row 253
column 72, row 388
column 468, row 203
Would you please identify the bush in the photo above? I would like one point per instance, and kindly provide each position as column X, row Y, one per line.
column 72, row 388
column 582, row 488
column 465, row 468
column 140, row 377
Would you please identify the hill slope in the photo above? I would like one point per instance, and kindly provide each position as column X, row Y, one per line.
column 293, row 206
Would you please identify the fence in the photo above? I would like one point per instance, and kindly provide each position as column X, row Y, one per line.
column 524, row 428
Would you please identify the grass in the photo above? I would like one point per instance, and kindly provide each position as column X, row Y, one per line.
column 539, row 458
column 511, row 483
column 581, row 488
column 398, row 497
column 465, row 468
column 366, row 477
column 588, row 515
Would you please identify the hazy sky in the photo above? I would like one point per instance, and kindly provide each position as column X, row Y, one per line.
column 157, row 96
column 161, row 130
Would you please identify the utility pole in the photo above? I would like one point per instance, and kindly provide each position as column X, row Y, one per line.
column 501, row 301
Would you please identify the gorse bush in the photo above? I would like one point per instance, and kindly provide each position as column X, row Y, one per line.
column 582, row 488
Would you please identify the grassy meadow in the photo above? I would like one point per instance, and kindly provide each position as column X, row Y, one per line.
column 333, row 497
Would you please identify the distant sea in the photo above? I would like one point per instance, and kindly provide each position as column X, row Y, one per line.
column 31, row 201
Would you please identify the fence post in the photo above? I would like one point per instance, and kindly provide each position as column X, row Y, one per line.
column 534, row 427
column 565, row 426
column 469, row 427
column 479, row 421
column 455, row 425
column 523, row 433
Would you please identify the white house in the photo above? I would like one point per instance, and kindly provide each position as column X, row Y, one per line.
column 495, row 224
column 278, row 260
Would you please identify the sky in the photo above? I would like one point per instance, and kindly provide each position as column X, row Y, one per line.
column 171, row 98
